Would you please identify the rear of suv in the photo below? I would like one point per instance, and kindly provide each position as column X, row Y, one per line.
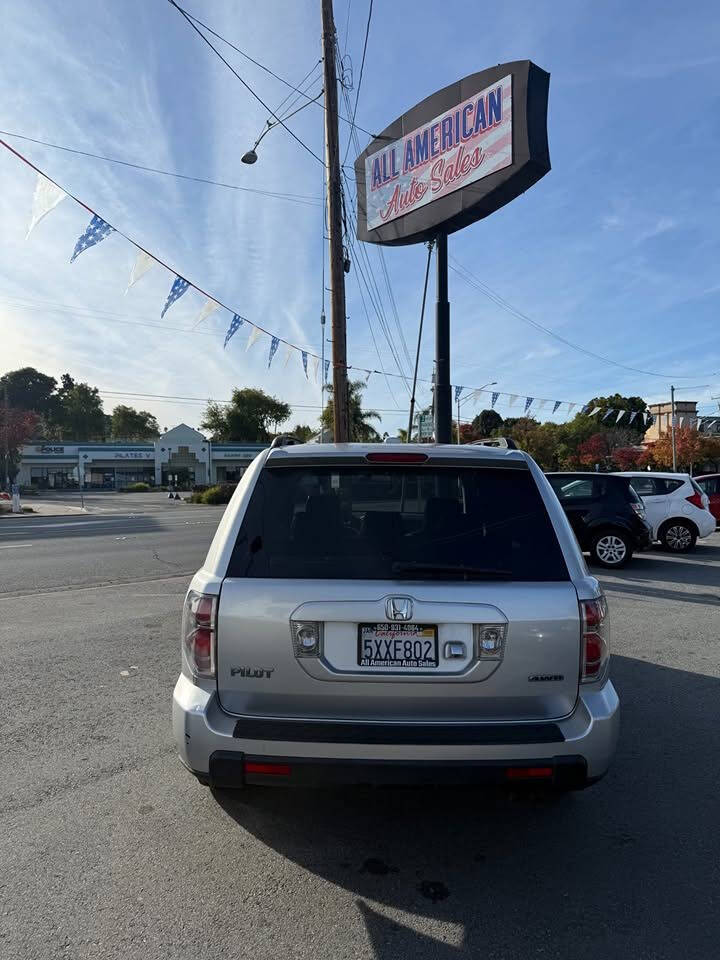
column 395, row 614
column 677, row 508
column 606, row 514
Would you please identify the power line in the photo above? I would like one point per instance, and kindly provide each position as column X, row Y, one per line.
column 257, row 63
column 243, row 82
column 362, row 67
column 473, row 281
column 183, row 399
column 299, row 198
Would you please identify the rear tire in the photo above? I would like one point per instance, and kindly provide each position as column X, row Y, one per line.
column 611, row 549
column 678, row 536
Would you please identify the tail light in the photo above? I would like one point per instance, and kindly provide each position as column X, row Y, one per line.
column 696, row 500
column 639, row 508
column 199, row 626
column 595, row 640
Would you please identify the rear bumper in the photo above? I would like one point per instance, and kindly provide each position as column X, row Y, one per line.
column 218, row 747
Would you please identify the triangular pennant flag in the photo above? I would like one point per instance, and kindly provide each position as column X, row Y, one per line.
column 556, row 404
column 709, row 426
column 95, row 231
column 571, row 407
column 274, row 344
column 595, row 411
column 255, row 335
column 458, row 391
column 288, row 354
column 235, row 323
column 528, row 403
column 494, row 400
column 541, row 405
column 315, row 362
column 585, row 407
column 681, row 421
column 143, row 262
column 303, row 353
column 179, row 287
column 476, row 394
column 607, row 413
column 325, row 370
column 46, row 197
column 513, row 398
column 369, row 374
column 209, row 307
column 621, row 414
column 633, row 414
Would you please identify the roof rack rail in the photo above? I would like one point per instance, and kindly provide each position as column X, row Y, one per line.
column 284, row 440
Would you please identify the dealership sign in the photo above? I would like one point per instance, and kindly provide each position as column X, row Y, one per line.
column 456, row 157
column 457, row 148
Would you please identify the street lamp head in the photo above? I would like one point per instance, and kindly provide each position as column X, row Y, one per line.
column 249, row 157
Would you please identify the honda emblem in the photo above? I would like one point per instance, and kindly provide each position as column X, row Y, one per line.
column 399, row 608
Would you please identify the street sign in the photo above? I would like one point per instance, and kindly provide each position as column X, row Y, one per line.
column 425, row 426
column 456, row 157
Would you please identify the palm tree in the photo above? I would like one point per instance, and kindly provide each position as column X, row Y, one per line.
column 361, row 430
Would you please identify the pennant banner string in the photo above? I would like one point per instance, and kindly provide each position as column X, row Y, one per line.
column 305, row 354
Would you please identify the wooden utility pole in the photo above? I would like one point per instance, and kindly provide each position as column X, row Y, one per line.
column 341, row 426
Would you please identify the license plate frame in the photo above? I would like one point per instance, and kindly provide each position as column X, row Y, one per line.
column 383, row 639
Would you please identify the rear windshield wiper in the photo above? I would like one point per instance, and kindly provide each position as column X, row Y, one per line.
column 460, row 569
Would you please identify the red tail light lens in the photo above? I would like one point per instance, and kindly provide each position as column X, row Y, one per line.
column 695, row 500
column 595, row 639
column 199, row 631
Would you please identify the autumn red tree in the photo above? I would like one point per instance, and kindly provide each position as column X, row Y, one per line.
column 688, row 449
column 16, row 427
column 627, row 458
column 596, row 449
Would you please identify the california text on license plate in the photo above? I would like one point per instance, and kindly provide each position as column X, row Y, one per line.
column 410, row 645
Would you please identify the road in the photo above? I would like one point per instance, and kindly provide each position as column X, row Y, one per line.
column 131, row 537
column 111, row 850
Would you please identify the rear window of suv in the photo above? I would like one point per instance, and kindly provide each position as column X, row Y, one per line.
column 374, row 522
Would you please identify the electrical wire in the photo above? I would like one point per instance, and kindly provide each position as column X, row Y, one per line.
column 257, row 63
column 362, row 67
column 247, row 86
column 478, row 284
column 299, row 198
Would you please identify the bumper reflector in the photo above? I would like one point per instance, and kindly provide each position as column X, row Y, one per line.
column 529, row 773
column 268, row 769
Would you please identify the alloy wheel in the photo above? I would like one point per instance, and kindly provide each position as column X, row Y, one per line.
column 611, row 549
column 678, row 537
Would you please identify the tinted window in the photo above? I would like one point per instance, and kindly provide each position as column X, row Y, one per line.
column 645, row 486
column 711, row 485
column 379, row 523
column 573, row 488
column 668, row 486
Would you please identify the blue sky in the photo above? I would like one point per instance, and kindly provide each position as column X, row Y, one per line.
column 616, row 249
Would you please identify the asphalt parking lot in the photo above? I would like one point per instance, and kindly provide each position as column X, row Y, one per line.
column 110, row 849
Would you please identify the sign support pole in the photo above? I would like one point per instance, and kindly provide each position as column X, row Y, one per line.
column 341, row 426
column 443, row 401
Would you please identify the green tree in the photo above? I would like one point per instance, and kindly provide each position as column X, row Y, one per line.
column 361, row 430
column 28, row 389
column 80, row 414
column 303, row 432
column 618, row 402
column 248, row 417
column 487, row 422
column 130, row 424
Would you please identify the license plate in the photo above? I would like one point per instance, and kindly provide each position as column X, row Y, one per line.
column 411, row 646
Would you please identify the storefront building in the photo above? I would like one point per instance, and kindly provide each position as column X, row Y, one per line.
column 182, row 457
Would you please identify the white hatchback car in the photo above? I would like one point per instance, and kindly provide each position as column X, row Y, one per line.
column 675, row 506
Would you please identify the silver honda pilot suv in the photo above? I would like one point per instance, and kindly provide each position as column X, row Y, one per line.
column 397, row 614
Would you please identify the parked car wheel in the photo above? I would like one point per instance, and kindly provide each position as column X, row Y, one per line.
column 678, row 536
column 611, row 548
